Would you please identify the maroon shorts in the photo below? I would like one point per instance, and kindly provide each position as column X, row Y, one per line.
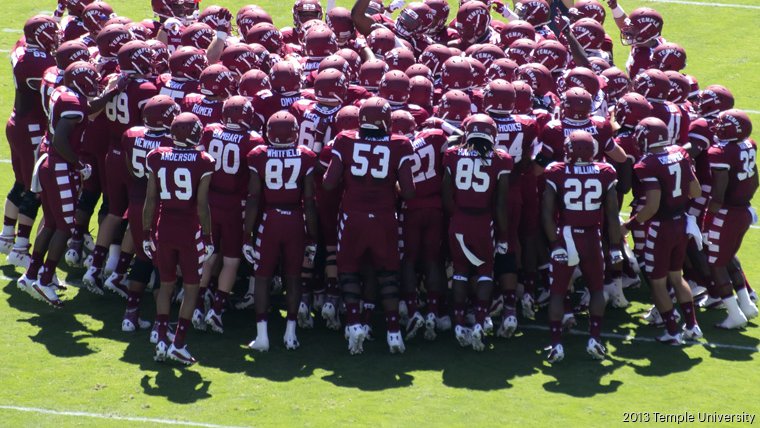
column 588, row 244
column 118, row 184
column 423, row 234
column 60, row 190
column 327, row 209
column 726, row 233
column 368, row 238
column 280, row 240
column 515, row 213
column 530, row 219
column 471, row 244
column 177, row 245
column 665, row 247
column 24, row 136
column 227, row 230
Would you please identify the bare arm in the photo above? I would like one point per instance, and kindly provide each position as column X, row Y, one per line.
column 362, row 21
column 204, row 212
column 611, row 213
column 625, row 176
column 617, row 154
column 406, row 181
column 61, row 138
column 619, row 21
column 651, row 206
column 576, row 50
column 309, row 206
column 252, row 205
column 447, row 193
column 150, row 204
column 502, row 216
column 547, row 214
column 333, row 174
column 695, row 189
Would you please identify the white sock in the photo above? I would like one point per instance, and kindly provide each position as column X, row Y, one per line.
column 23, row 243
column 290, row 328
column 732, row 307
column 9, row 230
column 261, row 330
column 742, row 296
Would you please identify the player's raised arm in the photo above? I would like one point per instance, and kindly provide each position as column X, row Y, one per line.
column 362, row 21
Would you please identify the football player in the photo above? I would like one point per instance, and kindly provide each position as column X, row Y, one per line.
column 185, row 65
column 475, row 186
column 583, row 192
column 24, row 132
column 177, row 197
column 281, row 190
column 473, row 24
column 667, row 177
column 370, row 162
column 729, row 213
column 654, row 85
column 285, row 82
column 217, row 84
column 395, row 87
column 642, row 31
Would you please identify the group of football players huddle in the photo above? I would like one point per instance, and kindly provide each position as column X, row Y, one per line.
column 448, row 171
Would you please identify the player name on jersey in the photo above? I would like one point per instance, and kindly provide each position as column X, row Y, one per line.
column 179, row 156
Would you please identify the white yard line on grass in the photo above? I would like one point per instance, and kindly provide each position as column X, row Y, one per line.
column 706, row 4
column 645, row 339
column 111, row 417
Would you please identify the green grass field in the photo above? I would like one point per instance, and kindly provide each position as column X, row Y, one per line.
column 78, row 360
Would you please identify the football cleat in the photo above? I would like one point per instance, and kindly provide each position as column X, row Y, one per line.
column 528, row 306
column 443, row 323
column 367, row 332
column 693, row 333
column 596, row 349
column 753, row 296
column 613, row 293
column 330, row 315
column 668, row 339
column 199, row 320
column 463, row 335
column 543, row 298
column 305, row 320
column 73, row 256
column 508, row 326
column 696, row 289
column 290, row 339
column 568, row 321
column 413, row 326
column 261, row 343
column 733, row 321
column 181, row 355
column 246, row 303
column 631, row 281
column 154, row 334
column 653, row 317
column 6, row 243
column 395, row 342
column 112, row 260
column 709, row 302
column 214, row 320
column 89, row 242
column 161, row 350
column 25, row 284
column 556, row 353
column 93, row 281
column 583, row 302
column 47, row 294
column 430, row 327
column 132, row 322
column 746, row 305
column 488, row 325
column 403, row 312
column 356, row 336
column 87, row 261
column 476, row 338
column 497, row 305
column 20, row 257
column 115, row 284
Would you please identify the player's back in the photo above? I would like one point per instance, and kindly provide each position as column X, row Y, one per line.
column 581, row 189
column 229, row 148
column 672, row 115
column 176, row 87
column 672, row 170
column 178, row 173
column 516, row 135
column 125, row 109
column 266, row 103
column 429, row 146
column 370, row 170
column 316, row 123
column 208, row 111
column 282, row 170
column 739, row 158
column 137, row 142
column 475, row 177
column 29, row 66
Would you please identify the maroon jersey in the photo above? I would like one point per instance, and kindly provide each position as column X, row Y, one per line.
column 739, row 159
column 444, row 36
column 73, row 29
column 674, row 117
column 316, row 123
column 125, row 109
column 282, row 169
column 178, row 172
column 429, row 145
column 229, row 148
column 700, row 138
column 518, row 136
column 136, row 143
column 670, row 172
column 640, row 58
column 580, row 189
column 370, row 170
column 208, row 111
column 268, row 103
column 29, row 66
column 475, row 179
column 176, row 87
column 105, row 65
column 52, row 78
column 554, row 133
column 65, row 103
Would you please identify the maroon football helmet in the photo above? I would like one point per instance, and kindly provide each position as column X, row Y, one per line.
column 651, row 132
column 136, row 57
column 440, row 9
column 284, row 78
column 454, row 106
column 521, row 51
column 713, row 100
column 421, row 91
column 239, row 58
column 198, row 35
column 336, row 62
column 536, row 12
column 375, row 113
column 247, row 18
column 111, row 39
column 630, row 109
column 679, row 87
column 473, row 21
column 598, row 65
column 652, row 84
column 252, row 82
column 340, row 22
column 487, row 53
column 669, row 56
column 732, row 125
column 95, row 15
column 237, row 112
column 415, row 18
column 394, row 87
column 380, row 41
column 523, row 97
column 138, row 31
column 617, row 83
column 516, row 30
column 330, row 86
column 347, row 118
column 306, row 10
column 42, row 31
column 576, row 104
column 76, row 7
column 372, row 72
column 400, row 59
column 218, row 81
column 403, row 123
column 214, row 15
column 580, row 147
column 552, row 54
column 588, row 9
column 71, row 51
column 457, row 73
column 83, row 78
column 354, row 62
column 419, row 70
column 188, row 62
column 503, row 68
column 434, row 56
column 641, row 26
column 159, row 112
column 538, row 77
column 160, row 56
column 319, row 42
column 499, row 97
column 479, row 126
column 266, row 35
column 186, row 130
column 583, row 77
column 589, row 33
